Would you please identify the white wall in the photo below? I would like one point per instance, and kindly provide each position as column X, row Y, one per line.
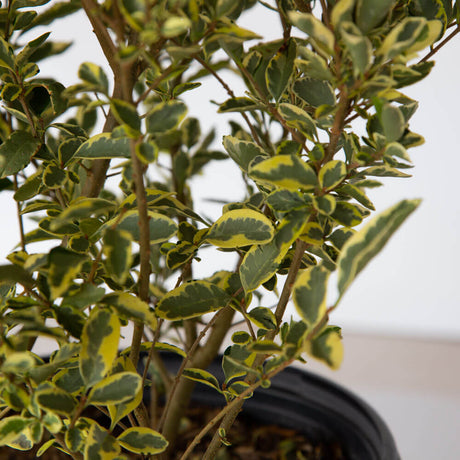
column 410, row 288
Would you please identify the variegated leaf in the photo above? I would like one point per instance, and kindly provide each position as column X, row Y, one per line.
column 309, row 294
column 194, row 298
column 332, row 174
column 284, row 171
column 261, row 262
column 327, row 347
column 131, row 307
column 115, row 389
column 100, row 445
column 241, row 227
column 99, row 345
column 142, row 440
column 367, row 242
column 103, row 146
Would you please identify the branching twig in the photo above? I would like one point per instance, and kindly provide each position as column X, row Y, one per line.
column 228, row 408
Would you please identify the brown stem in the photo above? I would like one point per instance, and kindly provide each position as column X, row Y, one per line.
column 339, row 123
column 237, row 402
column 231, row 94
column 231, row 415
column 438, row 47
column 20, row 221
column 202, row 359
column 108, row 47
column 288, row 285
column 144, row 244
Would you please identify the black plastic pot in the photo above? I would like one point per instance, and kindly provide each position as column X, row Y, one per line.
column 322, row 410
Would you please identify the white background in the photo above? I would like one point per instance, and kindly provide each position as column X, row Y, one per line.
column 411, row 288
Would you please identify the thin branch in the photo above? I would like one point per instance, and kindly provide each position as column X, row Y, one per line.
column 438, row 47
column 92, row 10
column 20, row 221
column 231, row 94
column 185, row 361
column 288, row 285
column 227, row 409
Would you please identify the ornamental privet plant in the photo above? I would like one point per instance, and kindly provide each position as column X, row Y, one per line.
column 126, row 255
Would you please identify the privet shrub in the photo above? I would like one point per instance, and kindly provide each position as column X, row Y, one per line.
column 126, row 255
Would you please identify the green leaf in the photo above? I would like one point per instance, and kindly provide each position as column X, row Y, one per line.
column 312, row 233
column 44, row 447
column 371, row 13
column 359, row 47
column 18, row 362
column 12, row 274
column 192, row 299
column 384, row 171
column 280, row 68
column 68, row 148
column 261, row 262
column 285, row 171
column 263, row 317
column 314, row 92
column 202, row 376
column 242, row 152
column 120, row 410
column 332, row 174
column 7, row 58
column 342, row 11
column 175, row 25
column 79, row 243
column 117, row 252
column 117, row 388
column 82, row 208
column 180, row 254
column 30, row 48
column 131, row 307
column 356, row 193
column 165, row 116
column 103, row 146
column 392, row 121
column 402, row 37
column 241, row 227
column 238, row 104
column 299, row 119
column 328, row 347
column 285, row 200
column 64, row 267
column 314, row 65
column 99, row 344
column 161, row 227
column 50, row 397
column 16, row 152
column 69, row 380
column 87, row 294
column 95, row 76
column 100, row 445
column 309, row 294
column 264, row 347
column 315, row 29
column 241, row 337
column 53, row 176
column 52, row 422
column 142, row 440
column 11, row 427
column 126, row 114
column 75, row 436
column 347, row 214
column 147, row 152
column 367, row 242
